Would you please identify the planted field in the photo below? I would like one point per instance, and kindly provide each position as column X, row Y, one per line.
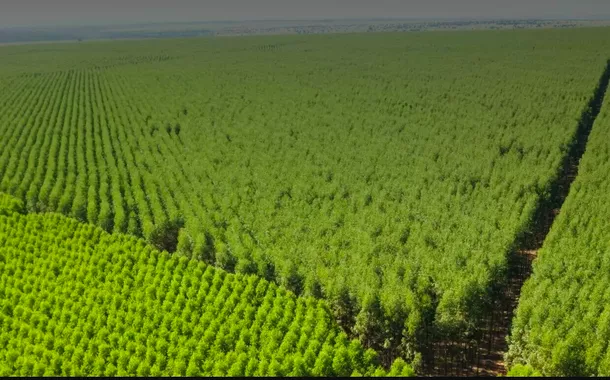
column 392, row 175
column 76, row 301
column 562, row 325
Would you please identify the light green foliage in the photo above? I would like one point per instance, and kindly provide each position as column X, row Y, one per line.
column 75, row 300
column 521, row 370
column 400, row 369
column 562, row 325
column 399, row 168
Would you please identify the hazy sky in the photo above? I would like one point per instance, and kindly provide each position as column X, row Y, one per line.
column 86, row 12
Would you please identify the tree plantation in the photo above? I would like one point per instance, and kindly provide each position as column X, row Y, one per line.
column 76, row 301
column 562, row 327
column 364, row 192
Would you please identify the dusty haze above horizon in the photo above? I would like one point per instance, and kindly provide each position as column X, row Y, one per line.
column 92, row 12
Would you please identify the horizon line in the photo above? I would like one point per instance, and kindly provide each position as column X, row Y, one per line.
column 321, row 19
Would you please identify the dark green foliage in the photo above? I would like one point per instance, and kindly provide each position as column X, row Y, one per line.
column 291, row 279
column 165, row 235
column 562, row 324
column 9, row 204
column 185, row 243
column 344, row 308
column 369, row 326
column 225, row 258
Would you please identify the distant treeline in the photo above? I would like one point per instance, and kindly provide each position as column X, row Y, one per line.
column 236, row 28
column 12, row 35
